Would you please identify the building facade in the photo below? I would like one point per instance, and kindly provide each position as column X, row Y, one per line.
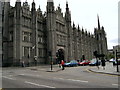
column 29, row 35
column 0, row 33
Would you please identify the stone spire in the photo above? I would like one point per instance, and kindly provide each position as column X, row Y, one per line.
column 18, row 0
column 49, row 0
column 33, row 5
column 73, row 25
column 67, row 8
column 78, row 27
column 98, row 22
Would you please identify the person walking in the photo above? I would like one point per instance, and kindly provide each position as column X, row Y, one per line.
column 62, row 63
column 103, row 63
column 97, row 63
column 23, row 64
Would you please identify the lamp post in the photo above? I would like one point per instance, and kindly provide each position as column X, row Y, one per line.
column 35, row 57
column 50, row 55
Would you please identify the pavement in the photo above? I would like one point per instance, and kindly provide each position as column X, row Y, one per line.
column 109, row 69
column 47, row 68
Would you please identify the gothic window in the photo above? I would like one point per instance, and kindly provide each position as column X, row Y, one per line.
column 27, row 37
column 30, row 37
column 26, row 51
column 38, row 39
column 61, row 27
column 23, row 51
column 41, row 52
column 23, row 21
column 11, row 36
column 24, row 36
column 57, row 39
column 28, row 22
column 29, row 51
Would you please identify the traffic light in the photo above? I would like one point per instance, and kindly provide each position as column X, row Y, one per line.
column 50, row 53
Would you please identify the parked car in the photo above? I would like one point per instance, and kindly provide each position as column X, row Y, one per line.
column 93, row 62
column 71, row 63
column 112, row 60
column 83, row 63
column 115, row 62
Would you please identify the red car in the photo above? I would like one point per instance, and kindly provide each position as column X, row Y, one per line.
column 83, row 63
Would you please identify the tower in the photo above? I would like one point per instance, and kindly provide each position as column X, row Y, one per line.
column 1, row 45
column 5, row 24
column 100, row 36
column 34, row 31
column 69, row 31
column 17, row 34
column 51, row 29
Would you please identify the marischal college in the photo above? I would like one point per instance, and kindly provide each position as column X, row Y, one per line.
column 29, row 35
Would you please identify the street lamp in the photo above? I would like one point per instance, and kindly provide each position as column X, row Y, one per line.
column 50, row 54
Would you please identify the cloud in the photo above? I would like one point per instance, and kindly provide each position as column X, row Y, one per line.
column 115, row 40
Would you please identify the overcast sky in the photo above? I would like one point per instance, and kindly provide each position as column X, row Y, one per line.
column 84, row 13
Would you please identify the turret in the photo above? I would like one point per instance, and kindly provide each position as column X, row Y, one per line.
column 78, row 28
column 69, row 30
column 50, row 6
column 101, row 38
column 51, row 30
column 67, row 14
column 33, row 6
column 73, row 25
column 5, row 29
column 18, row 3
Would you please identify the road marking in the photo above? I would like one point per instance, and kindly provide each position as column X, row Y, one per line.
column 59, row 78
column 35, row 71
column 30, row 75
column 38, row 84
column 22, row 74
column 115, row 84
column 10, row 75
column 8, row 78
column 42, row 69
column 78, row 80
column 72, row 80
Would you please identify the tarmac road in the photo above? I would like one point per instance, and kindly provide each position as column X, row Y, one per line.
column 74, row 77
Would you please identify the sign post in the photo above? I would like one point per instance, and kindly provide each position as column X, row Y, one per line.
column 117, row 60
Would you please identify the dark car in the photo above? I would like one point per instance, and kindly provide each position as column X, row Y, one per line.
column 71, row 63
column 83, row 63
column 93, row 62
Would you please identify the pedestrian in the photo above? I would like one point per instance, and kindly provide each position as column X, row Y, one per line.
column 59, row 63
column 113, row 63
column 23, row 64
column 62, row 63
column 97, row 63
column 103, row 63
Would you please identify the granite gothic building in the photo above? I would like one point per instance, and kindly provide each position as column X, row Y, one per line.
column 30, row 36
